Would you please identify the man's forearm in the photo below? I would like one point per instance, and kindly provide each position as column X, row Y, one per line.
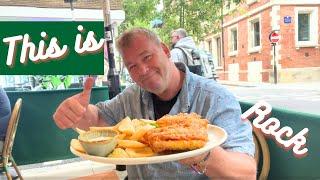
column 223, row 164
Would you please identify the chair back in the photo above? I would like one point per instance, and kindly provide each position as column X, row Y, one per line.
column 11, row 130
column 262, row 149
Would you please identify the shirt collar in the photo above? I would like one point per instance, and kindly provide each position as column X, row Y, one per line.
column 183, row 96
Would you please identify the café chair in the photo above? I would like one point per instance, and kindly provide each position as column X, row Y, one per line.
column 262, row 149
column 6, row 156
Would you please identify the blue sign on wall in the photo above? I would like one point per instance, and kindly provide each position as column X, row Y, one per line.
column 287, row 19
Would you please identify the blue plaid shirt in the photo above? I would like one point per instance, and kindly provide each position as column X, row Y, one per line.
column 198, row 94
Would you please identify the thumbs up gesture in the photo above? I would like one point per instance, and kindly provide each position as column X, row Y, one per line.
column 71, row 111
column 84, row 96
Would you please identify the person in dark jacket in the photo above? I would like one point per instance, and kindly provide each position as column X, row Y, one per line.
column 5, row 113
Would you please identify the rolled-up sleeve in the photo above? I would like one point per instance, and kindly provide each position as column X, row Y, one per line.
column 227, row 115
column 110, row 110
column 127, row 103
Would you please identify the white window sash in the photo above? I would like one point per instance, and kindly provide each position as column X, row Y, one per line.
column 251, row 34
column 231, row 42
column 313, row 26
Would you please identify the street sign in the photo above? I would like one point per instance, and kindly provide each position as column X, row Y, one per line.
column 287, row 19
column 274, row 37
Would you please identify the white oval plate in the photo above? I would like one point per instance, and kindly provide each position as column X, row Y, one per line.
column 216, row 136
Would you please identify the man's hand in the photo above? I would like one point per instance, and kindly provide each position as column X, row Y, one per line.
column 72, row 110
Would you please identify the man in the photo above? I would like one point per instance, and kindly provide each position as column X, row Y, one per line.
column 163, row 87
column 5, row 113
column 180, row 38
column 182, row 51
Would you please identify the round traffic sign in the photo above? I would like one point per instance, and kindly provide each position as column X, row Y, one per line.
column 274, row 37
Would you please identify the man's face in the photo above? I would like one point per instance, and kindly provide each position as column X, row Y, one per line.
column 148, row 64
column 174, row 38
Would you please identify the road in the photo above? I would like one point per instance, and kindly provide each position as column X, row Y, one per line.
column 301, row 100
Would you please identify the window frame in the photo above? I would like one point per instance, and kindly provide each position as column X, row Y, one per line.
column 219, row 53
column 313, row 31
column 209, row 44
column 251, row 47
column 231, row 51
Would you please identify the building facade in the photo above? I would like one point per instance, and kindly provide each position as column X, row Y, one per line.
column 244, row 53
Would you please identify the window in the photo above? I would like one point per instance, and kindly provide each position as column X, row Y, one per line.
column 254, row 34
column 210, row 46
column 303, row 27
column 219, row 59
column 306, row 26
column 229, row 6
column 233, row 40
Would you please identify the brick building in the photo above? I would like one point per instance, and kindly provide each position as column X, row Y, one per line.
column 247, row 55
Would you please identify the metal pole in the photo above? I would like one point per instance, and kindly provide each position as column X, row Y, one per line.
column 275, row 73
column 72, row 12
column 181, row 11
column 113, row 76
column 222, row 40
column 71, row 5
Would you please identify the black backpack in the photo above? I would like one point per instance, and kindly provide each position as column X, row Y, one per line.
column 192, row 57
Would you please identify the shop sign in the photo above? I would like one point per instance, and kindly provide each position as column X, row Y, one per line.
column 53, row 48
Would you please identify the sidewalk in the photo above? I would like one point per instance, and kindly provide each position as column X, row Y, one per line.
column 315, row 86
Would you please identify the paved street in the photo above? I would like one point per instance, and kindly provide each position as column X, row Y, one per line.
column 301, row 99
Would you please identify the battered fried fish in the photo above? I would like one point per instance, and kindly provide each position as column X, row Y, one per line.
column 178, row 133
column 182, row 120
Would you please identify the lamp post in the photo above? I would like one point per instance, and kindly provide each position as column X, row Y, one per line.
column 113, row 76
column 71, row 6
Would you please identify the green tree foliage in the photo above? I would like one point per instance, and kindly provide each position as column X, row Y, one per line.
column 198, row 17
column 139, row 13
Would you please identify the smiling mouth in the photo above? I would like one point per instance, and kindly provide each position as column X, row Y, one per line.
column 148, row 76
